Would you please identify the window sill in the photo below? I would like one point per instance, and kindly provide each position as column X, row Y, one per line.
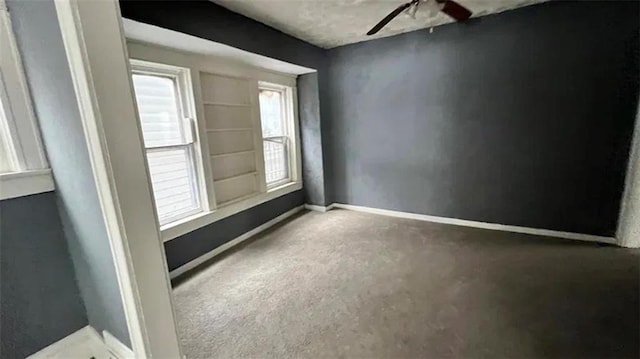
column 19, row 184
column 199, row 220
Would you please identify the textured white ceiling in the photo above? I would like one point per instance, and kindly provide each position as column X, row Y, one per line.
column 331, row 23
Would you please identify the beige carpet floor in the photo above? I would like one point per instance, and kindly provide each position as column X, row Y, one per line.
column 347, row 284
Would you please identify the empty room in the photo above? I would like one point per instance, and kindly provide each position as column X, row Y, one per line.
column 319, row 179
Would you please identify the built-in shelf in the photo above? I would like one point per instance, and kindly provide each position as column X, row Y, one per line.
column 232, row 153
column 234, row 176
column 210, row 103
column 252, row 173
column 230, row 129
column 238, row 199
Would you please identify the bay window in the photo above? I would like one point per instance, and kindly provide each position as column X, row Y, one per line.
column 218, row 140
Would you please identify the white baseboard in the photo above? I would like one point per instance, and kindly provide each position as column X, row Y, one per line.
column 313, row 207
column 84, row 343
column 115, row 347
column 234, row 242
column 476, row 224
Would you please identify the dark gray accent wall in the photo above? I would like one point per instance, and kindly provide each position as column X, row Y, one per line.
column 186, row 248
column 521, row 118
column 40, row 42
column 311, row 138
column 39, row 298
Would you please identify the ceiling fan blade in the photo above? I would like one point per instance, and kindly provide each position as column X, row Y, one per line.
column 389, row 17
column 456, row 11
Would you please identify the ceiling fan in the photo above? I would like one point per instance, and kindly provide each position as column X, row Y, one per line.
column 449, row 7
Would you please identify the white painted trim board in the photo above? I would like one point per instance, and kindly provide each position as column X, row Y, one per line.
column 99, row 65
column 115, row 347
column 84, row 343
column 628, row 232
column 313, row 207
column 232, row 243
column 476, row 224
column 18, row 184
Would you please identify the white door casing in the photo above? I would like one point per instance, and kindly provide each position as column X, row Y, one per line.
column 98, row 61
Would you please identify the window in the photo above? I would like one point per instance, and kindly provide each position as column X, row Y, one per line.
column 23, row 166
column 276, row 117
column 168, row 133
column 239, row 149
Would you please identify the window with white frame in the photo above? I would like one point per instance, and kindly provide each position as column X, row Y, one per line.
column 23, row 165
column 239, row 149
column 162, row 94
column 276, row 117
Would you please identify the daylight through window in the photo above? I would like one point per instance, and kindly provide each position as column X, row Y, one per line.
column 169, row 143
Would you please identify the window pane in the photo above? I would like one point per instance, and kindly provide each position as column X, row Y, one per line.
column 158, row 106
column 271, row 113
column 276, row 161
column 174, row 183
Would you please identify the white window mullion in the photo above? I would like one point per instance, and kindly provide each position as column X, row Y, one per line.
column 257, row 136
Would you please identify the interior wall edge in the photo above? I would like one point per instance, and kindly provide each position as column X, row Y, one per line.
column 628, row 233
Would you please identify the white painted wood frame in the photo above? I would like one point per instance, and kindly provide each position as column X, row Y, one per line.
column 99, row 65
column 628, row 234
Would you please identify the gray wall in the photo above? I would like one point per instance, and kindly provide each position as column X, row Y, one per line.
column 210, row 21
column 39, row 298
column 521, row 118
column 311, row 138
column 40, row 43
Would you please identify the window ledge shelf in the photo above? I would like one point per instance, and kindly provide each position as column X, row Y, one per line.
column 199, row 220
column 19, row 184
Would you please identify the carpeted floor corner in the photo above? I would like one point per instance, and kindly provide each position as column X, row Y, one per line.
column 348, row 284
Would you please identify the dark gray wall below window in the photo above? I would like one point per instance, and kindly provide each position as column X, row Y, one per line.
column 520, row 118
column 39, row 298
column 190, row 246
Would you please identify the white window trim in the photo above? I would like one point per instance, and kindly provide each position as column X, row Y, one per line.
column 21, row 133
column 292, row 128
column 183, row 77
column 213, row 65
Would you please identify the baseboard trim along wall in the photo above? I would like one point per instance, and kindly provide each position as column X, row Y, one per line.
column 476, row 224
column 232, row 243
column 115, row 347
column 85, row 343
column 313, row 207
